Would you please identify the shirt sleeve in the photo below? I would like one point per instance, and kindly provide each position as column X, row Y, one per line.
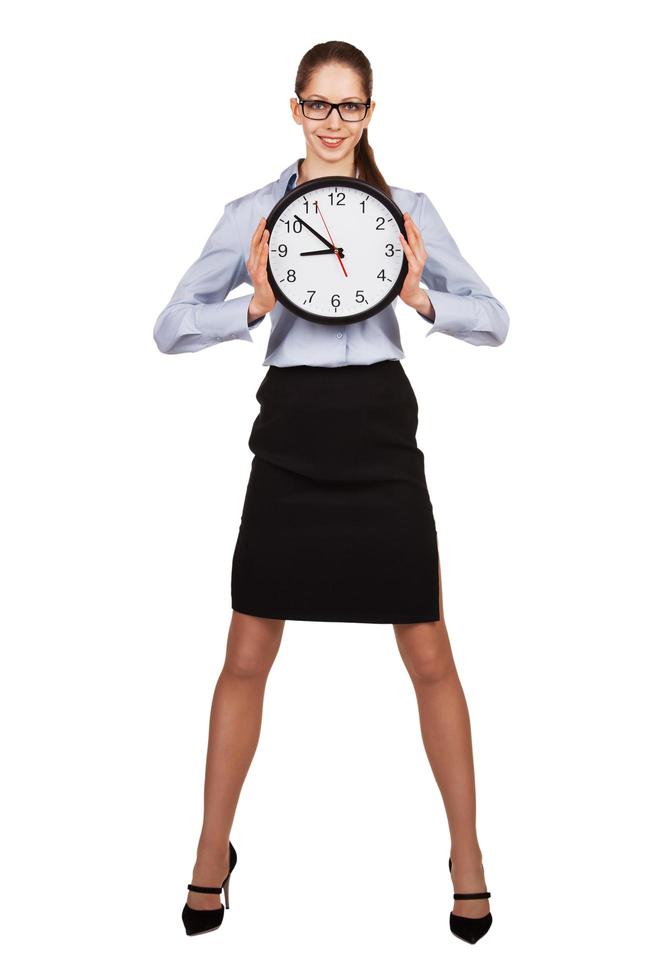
column 463, row 303
column 198, row 315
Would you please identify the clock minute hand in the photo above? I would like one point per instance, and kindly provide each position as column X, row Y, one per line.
column 314, row 232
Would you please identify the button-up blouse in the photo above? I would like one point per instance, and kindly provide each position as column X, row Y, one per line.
column 199, row 314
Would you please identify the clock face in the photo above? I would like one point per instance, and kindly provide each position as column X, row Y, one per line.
column 334, row 251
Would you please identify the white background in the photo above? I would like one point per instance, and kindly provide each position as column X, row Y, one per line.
column 128, row 128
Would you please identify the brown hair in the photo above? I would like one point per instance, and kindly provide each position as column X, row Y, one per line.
column 346, row 54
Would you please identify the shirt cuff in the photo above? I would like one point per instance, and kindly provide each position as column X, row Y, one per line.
column 225, row 321
column 455, row 315
column 428, row 318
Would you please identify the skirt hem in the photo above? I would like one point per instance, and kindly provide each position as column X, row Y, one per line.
column 331, row 617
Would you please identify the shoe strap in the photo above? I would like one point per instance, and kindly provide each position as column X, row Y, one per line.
column 204, row 888
column 471, row 894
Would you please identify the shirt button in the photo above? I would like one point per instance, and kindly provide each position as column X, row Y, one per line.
column 339, row 334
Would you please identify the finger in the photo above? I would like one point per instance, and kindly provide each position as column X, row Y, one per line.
column 411, row 226
column 415, row 237
column 408, row 251
column 410, row 229
column 254, row 243
column 256, row 237
column 414, row 265
column 408, row 247
column 261, row 259
column 258, row 231
column 260, row 235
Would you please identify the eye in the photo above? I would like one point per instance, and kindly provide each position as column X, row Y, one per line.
column 353, row 105
column 316, row 105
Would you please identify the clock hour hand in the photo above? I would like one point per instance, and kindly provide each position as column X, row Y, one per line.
column 314, row 232
column 325, row 251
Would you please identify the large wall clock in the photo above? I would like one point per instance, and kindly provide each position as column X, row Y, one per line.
column 334, row 250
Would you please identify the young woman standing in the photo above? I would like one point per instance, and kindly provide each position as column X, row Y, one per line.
column 337, row 522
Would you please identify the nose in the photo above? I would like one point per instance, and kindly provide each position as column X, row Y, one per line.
column 333, row 119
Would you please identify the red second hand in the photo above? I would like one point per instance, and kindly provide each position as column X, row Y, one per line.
column 337, row 254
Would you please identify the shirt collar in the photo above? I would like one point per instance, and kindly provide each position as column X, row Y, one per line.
column 288, row 175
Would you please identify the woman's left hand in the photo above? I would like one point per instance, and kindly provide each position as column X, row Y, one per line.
column 416, row 254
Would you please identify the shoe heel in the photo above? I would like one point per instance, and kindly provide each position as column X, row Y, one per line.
column 226, row 889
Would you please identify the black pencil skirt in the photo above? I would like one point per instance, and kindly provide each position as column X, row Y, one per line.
column 337, row 523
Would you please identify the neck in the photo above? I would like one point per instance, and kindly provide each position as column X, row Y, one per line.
column 309, row 170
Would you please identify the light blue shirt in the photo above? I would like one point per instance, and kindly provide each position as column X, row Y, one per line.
column 199, row 314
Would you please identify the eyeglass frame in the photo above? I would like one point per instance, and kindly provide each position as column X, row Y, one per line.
column 332, row 106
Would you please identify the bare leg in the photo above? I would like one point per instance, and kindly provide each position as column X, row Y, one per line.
column 445, row 728
column 234, row 728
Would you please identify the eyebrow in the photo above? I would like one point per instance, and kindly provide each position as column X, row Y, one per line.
column 353, row 98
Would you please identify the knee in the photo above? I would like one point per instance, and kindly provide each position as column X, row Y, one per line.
column 428, row 661
column 430, row 668
column 248, row 663
column 252, row 645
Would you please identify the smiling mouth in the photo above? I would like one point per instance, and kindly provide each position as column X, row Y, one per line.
column 332, row 139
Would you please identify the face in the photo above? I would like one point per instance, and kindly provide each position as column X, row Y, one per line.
column 332, row 83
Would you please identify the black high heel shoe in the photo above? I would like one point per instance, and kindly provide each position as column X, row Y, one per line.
column 205, row 920
column 465, row 927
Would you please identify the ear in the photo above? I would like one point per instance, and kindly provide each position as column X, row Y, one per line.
column 295, row 110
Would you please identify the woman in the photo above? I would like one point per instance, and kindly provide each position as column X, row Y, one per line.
column 337, row 522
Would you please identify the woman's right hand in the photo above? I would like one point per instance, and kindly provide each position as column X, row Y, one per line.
column 264, row 299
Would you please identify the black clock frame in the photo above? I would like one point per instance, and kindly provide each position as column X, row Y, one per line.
column 316, row 184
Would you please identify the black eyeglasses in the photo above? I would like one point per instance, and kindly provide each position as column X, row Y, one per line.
column 348, row 111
